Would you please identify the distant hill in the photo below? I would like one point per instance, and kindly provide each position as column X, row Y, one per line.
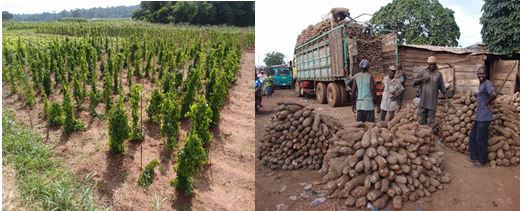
column 92, row 13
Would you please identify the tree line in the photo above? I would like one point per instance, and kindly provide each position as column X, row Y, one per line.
column 96, row 12
column 197, row 13
column 428, row 22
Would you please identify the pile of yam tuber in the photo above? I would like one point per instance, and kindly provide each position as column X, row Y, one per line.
column 382, row 164
column 503, row 143
column 313, row 30
column 379, row 165
column 371, row 49
column 297, row 138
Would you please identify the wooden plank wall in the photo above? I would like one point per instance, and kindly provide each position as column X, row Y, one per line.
column 416, row 59
column 504, row 72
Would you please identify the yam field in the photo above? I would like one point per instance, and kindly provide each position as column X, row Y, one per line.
column 125, row 112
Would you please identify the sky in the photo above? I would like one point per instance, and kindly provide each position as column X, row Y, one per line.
column 39, row 6
column 277, row 27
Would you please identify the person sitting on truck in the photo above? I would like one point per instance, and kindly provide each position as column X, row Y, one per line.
column 431, row 81
column 392, row 90
column 338, row 14
column 363, row 93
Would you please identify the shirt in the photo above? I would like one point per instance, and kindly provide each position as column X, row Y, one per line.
column 483, row 112
column 268, row 80
column 391, row 87
column 261, row 77
column 429, row 89
column 402, row 77
column 364, row 97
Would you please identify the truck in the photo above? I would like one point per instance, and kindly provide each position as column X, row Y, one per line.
column 281, row 75
column 322, row 66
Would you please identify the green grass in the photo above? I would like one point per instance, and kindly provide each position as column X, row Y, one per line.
column 118, row 28
column 42, row 179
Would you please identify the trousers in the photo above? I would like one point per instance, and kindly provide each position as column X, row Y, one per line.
column 478, row 145
column 364, row 116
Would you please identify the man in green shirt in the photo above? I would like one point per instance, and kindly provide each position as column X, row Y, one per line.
column 268, row 83
column 363, row 93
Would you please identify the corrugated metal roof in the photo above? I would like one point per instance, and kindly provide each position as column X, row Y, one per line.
column 454, row 50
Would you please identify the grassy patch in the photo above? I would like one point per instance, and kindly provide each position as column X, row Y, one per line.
column 42, row 180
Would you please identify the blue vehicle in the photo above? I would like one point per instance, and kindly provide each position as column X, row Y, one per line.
column 281, row 76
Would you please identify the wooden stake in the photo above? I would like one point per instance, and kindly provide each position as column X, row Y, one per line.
column 141, row 114
column 31, row 118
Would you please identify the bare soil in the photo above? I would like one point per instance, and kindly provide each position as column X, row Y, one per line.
column 471, row 188
column 11, row 199
column 226, row 184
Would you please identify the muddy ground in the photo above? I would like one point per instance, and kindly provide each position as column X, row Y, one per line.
column 491, row 188
column 226, row 184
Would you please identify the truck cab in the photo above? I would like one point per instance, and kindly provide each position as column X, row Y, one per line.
column 282, row 76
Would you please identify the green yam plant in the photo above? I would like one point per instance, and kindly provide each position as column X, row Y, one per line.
column 154, row 107
column 216, row 94
column 93, row 103
column 137, row 68
column 201, row 117
column 171, row 120
column 107, row 90
column 55, row 114
column 147, row 176
column 135, row 97
column 77, row 92
column 168, row 82
column 47, row 82
column 194, row 84
column 118, row 128
column 71, row 123
column 190, row 160
column 148, row 65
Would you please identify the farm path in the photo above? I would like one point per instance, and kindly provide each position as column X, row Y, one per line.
column 230, row 177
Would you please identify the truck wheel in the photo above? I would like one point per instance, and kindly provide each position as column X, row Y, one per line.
column 333, row 95
column 321, row 93
column 343, row 94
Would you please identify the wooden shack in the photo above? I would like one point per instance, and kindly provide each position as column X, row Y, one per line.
column 458, row 65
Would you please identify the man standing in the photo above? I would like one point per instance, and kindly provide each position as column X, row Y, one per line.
column 431, row 81
column 401, row 76
column 479, row 133
column 392, row 90
column 268, row 84
column 363, row 93
column 353, row 53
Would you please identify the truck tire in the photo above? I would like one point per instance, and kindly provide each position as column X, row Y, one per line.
column 333, row 95
column 321, row 93
column 344, row 96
